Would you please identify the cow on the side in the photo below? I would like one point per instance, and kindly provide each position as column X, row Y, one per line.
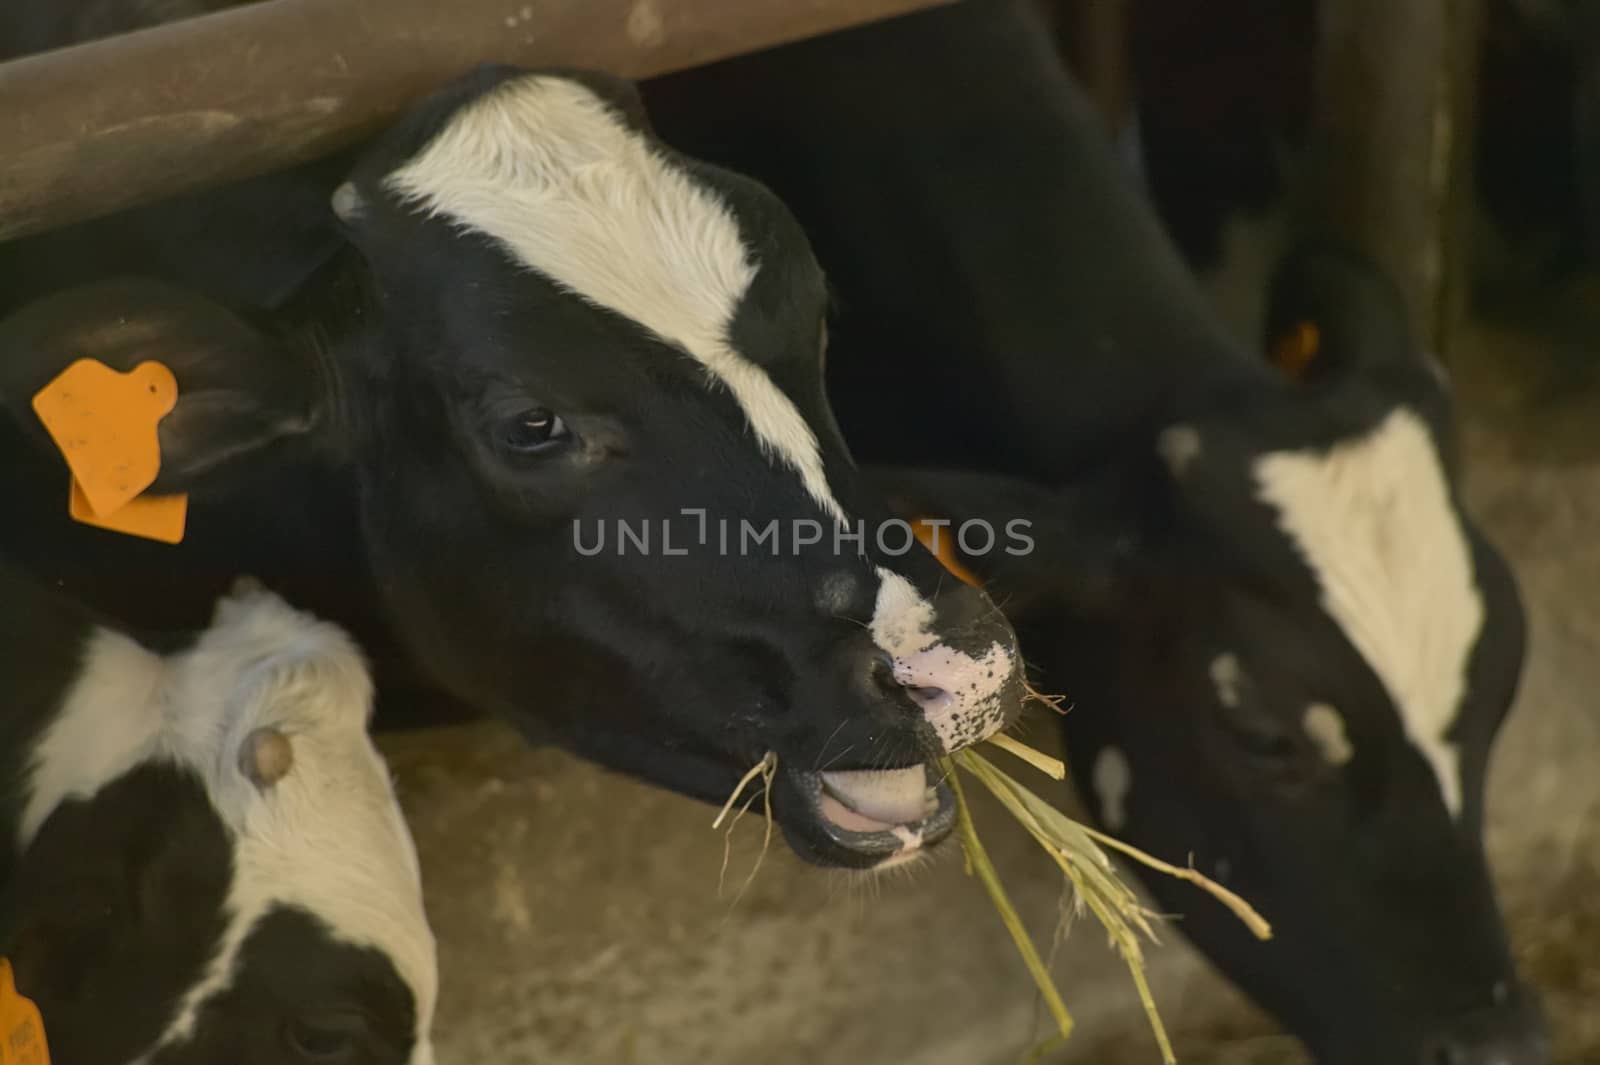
column 203, row 858
column 1287, row 645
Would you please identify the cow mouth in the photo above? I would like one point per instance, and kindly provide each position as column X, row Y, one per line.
column 867, row 818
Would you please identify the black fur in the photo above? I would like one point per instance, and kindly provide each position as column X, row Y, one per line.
column 298, row 990
column 116, row 910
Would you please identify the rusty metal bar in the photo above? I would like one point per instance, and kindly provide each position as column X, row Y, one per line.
column 93, row 129
column 1389, row 166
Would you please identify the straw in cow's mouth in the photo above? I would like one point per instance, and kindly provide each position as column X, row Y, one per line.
column 766, row 769
column 1080, row 851
column 867, row 801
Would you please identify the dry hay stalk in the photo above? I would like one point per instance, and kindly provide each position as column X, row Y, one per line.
column 1077, row 850
column 1050, row 767
column 766, row 769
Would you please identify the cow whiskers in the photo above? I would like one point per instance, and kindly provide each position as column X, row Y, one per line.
column 1033, row 695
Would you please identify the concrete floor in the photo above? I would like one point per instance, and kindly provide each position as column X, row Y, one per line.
column 581, row 921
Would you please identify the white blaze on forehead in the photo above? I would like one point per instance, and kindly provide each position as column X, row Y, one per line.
column 1325, row 727
column 327, row 839
column 1374, row 520
column 548, row 170
column 1113, row 783
column 961, row 694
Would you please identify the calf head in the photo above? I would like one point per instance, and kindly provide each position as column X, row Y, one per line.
column 1289, row 650
column 213, row 866
column 579, row 380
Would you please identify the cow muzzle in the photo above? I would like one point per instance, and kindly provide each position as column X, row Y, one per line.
column 955, row 658
column 932, row 677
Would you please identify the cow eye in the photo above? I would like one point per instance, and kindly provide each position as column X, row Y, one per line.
column 1246, row 719
column 534, row 431
column 1267, row 746
column 327, row 1038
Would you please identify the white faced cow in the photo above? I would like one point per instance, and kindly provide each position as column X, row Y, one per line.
column 204, row 860
column 1287, row 646
column 540, row 323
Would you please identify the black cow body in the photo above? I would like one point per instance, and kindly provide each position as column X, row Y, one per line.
column 533, row 324
column 172, row 896
column 1287, row 647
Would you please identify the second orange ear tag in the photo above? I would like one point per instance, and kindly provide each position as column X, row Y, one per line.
column 22, row 1040
column 105, row 423
column 1297, row 349
column 943, row 548
column 161, row 518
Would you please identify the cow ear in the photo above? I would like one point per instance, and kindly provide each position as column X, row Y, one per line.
column 241, row 391
column 1333, row 313
column 1053, row 547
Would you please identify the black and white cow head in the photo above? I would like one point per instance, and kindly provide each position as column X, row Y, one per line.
column 1289, row 651
column 209, row 861
column 552, row 326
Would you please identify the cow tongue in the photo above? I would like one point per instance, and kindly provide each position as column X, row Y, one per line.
column 880, row 798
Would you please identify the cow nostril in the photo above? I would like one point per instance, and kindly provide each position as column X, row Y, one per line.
column 930, row 699
column 880, row 671
column 884, row 675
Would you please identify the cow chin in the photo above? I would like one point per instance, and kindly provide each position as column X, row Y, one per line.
column 864, row 819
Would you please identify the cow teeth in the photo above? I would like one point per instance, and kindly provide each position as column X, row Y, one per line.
column 892, row 796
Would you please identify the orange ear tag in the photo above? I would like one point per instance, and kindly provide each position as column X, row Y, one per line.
column 161, row 518
column 22, row 1039
column 1297, row 349
column 943, row 549
column 105, row 423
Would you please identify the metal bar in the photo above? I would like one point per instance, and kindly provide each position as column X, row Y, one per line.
column 93, row 129
column 1389, row 167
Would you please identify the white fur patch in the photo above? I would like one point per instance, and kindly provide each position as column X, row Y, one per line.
column 110, row 722
column 1325, row 727
column 1113, row 783
column 1374, row 521
column 327, row 839
column 1227, row 676
column 1179, row 446
column 902, row 620
column 972, row 706
column 547, row 169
